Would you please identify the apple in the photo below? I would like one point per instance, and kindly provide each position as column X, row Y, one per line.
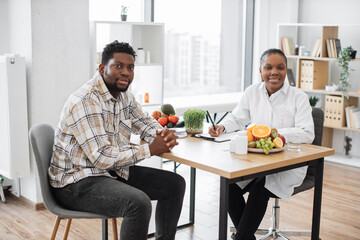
column 282, row 138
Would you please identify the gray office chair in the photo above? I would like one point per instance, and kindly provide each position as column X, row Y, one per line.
column 274, row 231
column 42, row 139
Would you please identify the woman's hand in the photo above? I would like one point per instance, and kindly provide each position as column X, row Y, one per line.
column 217, row 132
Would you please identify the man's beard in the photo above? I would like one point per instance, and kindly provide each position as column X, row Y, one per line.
column 114, row 88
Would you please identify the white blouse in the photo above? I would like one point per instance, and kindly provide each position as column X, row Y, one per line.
column 289, row 107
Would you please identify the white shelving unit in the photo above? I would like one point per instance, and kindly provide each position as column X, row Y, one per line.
column 340, row 158
column 306, row 34
column 146, row 35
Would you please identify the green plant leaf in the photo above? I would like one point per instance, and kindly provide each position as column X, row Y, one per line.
column 194, row 118
column 343, row 62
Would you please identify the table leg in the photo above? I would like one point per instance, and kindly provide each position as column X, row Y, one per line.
column 104, row 229
column 192, row 195
column 224, row 206
column 317, row 199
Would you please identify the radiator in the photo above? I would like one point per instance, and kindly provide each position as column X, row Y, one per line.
column 14, row 144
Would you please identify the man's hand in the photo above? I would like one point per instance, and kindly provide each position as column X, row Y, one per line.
column 217, row 132
column 164, row 141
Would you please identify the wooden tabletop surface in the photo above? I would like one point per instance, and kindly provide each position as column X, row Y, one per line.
column 216, row 157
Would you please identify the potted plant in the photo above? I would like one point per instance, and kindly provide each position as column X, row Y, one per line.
column 343, row 61
column 194, row 119
column 124, row 10
column 313, row 100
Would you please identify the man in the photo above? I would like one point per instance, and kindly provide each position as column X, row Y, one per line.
column 93, row 165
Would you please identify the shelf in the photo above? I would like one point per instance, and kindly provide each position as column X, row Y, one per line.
column 341, row 159
column 338, row 93
column 344, row 128
column 307, row 35
column 317, row 58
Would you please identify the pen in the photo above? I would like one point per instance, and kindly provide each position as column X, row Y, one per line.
column 212, row 122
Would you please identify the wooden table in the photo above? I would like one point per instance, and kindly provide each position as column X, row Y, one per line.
column 216, row 158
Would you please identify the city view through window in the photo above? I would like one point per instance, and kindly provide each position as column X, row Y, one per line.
column 192, row 46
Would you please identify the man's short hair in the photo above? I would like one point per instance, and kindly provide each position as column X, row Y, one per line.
column 116, row 47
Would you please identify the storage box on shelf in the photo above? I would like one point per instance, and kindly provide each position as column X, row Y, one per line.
column 335, row 115
column 149, row 36
column 315, row 75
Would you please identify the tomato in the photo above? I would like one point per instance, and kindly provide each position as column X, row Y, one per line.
column 173, row 119
column 163, row 121
column 156, row 115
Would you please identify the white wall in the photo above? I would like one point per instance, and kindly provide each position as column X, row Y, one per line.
column 268, row 13
column 3, row 26
column 16, row 26
column 54, row 38
column 231, row 43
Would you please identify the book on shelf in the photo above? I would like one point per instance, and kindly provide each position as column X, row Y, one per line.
column 337, row 46
column 332, row 50
column 287, row 45
column 357, row 119
column 352, row 114
column 333, row 47
column 317, row 48
column 347, row 116
column 353, row 117
column 328, row 48
column 291, row 46
column 290, row 77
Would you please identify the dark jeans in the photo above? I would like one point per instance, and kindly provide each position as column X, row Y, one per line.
column 247, row 217
column 130, row 200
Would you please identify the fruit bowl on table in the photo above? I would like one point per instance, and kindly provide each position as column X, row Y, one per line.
column 260, row 150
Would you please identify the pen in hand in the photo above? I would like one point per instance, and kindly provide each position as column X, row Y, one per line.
column 212, row 122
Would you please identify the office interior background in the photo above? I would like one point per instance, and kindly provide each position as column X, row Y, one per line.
column 211, row 47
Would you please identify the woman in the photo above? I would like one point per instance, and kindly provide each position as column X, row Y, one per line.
column 274, row 103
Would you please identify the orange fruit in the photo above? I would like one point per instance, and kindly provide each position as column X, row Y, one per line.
column 261, row 131
column 251, row 126
column 250, row 136
column 278, row 142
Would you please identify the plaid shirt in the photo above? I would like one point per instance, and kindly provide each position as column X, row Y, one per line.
column 93, row 135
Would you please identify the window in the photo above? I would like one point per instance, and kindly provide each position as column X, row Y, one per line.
column 207, row 49
column 192, row 46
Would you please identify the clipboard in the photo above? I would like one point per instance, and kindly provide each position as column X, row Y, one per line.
column 225, row 137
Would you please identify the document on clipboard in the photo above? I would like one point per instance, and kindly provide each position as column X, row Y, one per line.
column 224, row 137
